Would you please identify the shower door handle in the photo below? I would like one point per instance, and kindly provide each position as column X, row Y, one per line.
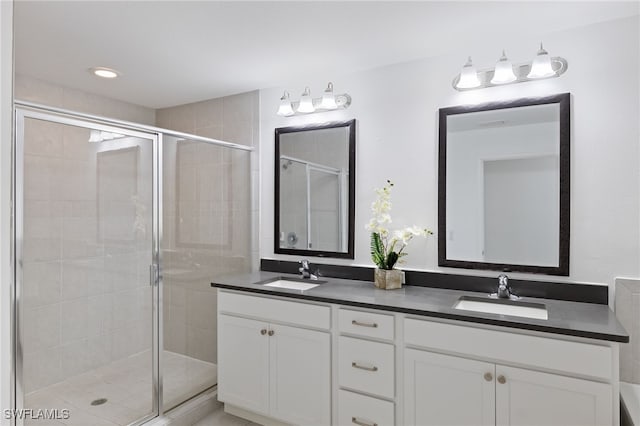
column 153, row 275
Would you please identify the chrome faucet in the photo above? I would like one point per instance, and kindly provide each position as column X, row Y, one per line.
column 306, row 271
column 504, row 290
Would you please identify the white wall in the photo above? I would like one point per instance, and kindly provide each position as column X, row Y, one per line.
column 396, row 109
column 6, row 100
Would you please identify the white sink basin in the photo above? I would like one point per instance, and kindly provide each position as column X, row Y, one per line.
column 500, row 307
column 293, row 285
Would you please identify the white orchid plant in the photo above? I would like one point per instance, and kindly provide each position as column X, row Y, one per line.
column 387, row 248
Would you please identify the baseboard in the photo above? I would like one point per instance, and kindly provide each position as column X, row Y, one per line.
column 254, row 417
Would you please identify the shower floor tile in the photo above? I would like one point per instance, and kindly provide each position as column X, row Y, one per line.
column 127, row 387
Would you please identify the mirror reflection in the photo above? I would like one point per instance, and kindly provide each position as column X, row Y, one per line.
column 314, row 190
column 506, row 199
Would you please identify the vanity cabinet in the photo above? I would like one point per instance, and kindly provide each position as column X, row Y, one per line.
column 272, row 368
column 366, row 368
column 447, row 390
column 526, row 397
column 302, row 363
column 442, row 389
column 455, row 389
column 243, row 358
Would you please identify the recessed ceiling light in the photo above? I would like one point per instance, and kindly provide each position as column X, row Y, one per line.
column 104, row 72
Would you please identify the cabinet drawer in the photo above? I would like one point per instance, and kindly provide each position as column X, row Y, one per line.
column 366, row 324
column 265, row 308
column 359, row 410
column 366, row 366
column 562, row 355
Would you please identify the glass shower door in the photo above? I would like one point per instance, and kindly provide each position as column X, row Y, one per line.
column 85, row 241
column 206, row 232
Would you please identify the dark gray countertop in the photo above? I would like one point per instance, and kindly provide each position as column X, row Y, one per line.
column 587, row 320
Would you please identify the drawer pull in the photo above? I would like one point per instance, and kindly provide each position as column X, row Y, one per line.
column 365, row 324
column 263, row 331
column 502, row 380
column 271, row 332
column 488, row 377
column 362, row 423
column 363, row 367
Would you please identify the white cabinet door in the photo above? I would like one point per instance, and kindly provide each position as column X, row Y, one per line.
column 300, row 386
column 442, row 390
column 243, row 363
column 532, row 398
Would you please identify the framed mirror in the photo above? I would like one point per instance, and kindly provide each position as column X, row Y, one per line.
column 503, row 186
column 315, row 189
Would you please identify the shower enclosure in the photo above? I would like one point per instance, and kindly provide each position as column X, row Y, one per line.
column 119, row 229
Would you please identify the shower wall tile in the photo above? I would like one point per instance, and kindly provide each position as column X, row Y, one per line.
column 74, row 317
column 627, row 308
column 208, row 113
column 43, row 138
column 212, row 132
column 231, row 118
column 239, row 108
column 201, row 343
column 74, row 358
column 45, row 369
column 239, row 133
column 46, row 282
column 30, row 89
column 74, row 280
column 41, row 328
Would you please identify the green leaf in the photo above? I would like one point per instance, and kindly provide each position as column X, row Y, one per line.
column 377, row 251
column 392, row 258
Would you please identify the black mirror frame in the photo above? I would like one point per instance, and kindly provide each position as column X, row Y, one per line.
column 564, row 101
column 349, row 254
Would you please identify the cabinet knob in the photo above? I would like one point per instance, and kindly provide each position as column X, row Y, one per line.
column 263, row 331
column 488, row 377
column 271, row 332
column 502, row 380
column 359, row 422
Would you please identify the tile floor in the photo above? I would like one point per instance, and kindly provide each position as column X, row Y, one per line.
column 126, row 384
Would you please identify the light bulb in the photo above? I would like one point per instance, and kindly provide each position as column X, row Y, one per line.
column 503, row 72
column 285, row 108
column 104, row 72
column 468, row 76
column 541, row 65
column 328, row 98
column 306, row 103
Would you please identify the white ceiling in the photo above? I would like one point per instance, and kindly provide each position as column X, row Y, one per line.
column 176, row 52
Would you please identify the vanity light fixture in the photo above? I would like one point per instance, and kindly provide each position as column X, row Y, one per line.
column 542, row 66
column 104, row 72
column 307, row 104
column 285, row 108
column 503, row 72
column 468, row 77
column 328, row 98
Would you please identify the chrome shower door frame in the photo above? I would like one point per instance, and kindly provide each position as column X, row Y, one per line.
column 24, row 111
